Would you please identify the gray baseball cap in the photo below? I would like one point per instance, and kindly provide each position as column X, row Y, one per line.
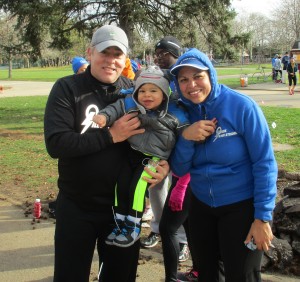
column 108, row 36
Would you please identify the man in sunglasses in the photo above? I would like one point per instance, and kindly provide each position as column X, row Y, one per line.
column 167, row 51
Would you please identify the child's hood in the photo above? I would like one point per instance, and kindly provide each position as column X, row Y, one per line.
column 155, row 76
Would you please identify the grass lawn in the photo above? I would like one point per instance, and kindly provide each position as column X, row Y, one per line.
column 37, row 74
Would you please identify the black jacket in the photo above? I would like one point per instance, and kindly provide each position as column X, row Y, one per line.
column 292, row 70
column 89, row 163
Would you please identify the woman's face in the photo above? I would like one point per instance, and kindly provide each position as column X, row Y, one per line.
column 194, row 84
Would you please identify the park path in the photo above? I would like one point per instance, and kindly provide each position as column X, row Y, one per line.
column 267, row 94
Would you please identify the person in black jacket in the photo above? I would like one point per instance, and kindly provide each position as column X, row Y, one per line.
column 285, row 61
column 89, row 164
column 292, row 75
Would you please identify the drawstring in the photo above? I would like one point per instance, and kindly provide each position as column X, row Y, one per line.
column 115, row 218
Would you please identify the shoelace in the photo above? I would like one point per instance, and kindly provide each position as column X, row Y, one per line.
column 125, row 231
column 116, row 230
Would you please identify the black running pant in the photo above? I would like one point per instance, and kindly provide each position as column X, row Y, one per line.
column 76, row 233
column 220, row 233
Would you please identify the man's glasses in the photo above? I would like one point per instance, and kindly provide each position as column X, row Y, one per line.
column 161, row 55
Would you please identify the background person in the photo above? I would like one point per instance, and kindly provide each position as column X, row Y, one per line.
column 233, row 172
column 128, row 70
column 173, row 225
column 278, row 69
column 167, row 50
column 285, row 60
column 292, row 75
column 273, row 66
column 89, row 164
column 79, row 64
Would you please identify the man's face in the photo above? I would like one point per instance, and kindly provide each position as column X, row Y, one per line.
column 164, row 59
column 106, row 66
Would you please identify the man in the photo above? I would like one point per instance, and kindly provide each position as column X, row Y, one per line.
column 167, row 51
column 273, row 66
column 89, row 161
column 79, row 64
column 278, row 69
column 285, row 61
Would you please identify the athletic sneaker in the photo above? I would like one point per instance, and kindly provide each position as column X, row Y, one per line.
column 184, row 253
column 116, row 231
column 147, row 215
column 130, row 233
column 192, row 275
column 151, row 241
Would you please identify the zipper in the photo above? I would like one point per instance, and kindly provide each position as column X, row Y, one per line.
column 204, row 117
column 203, row 113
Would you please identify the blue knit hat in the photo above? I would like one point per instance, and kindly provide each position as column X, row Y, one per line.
column 77, row 62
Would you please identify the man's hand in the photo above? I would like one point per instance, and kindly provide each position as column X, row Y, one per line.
column 162, row 170
column 200, row 130
column 125, row 127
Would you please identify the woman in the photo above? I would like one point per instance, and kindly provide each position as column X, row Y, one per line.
column 233, row 172
column 292, row 75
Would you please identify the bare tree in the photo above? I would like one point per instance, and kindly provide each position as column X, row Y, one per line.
column 290, row 15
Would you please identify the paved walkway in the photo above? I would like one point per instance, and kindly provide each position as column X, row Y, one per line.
column 25, row 88
column 271, row 94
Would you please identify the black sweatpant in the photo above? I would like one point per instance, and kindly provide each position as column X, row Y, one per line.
column 292, row 79
column 220, row 232
column 76, row 233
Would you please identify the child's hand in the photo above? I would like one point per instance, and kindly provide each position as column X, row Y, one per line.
column 100, row 120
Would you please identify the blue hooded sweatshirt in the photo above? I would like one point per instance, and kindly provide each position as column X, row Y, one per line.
column 237, row 162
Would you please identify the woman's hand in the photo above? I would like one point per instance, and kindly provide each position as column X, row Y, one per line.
column 262, row 235
column 162, row 170
column 125, row 127
column 200, row 130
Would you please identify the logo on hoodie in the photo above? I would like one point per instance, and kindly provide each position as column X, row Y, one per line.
column 221, row 133
column 90, row 111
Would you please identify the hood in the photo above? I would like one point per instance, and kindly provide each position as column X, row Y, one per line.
column 194, row 57
column 156, row 76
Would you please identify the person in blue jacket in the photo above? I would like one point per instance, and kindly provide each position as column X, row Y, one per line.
column 233, row 172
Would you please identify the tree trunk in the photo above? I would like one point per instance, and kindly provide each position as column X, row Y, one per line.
column 9, row 65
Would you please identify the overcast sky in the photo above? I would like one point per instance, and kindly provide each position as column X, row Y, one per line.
column 255, row 6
